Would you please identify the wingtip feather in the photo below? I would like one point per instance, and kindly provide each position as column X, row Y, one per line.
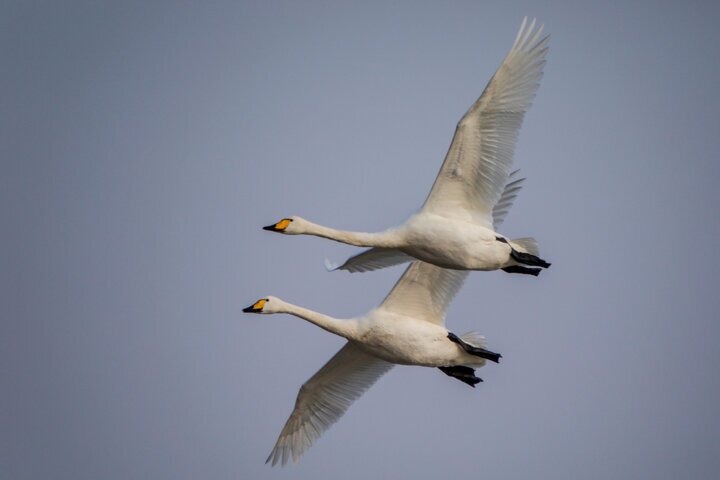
column 331, row 266
column 517, row 38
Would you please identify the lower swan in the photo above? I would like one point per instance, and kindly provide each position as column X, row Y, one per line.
column 408, row 328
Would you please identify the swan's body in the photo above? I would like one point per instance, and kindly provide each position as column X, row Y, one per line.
column 408, row 328
column 454, row 228
column 465, row 245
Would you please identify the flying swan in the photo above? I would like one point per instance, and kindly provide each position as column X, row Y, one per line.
column 408, row 328
column 454, row 227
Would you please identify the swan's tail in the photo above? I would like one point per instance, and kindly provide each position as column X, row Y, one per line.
column 525, row 254
column 526, row 245
column 474, row 339
column 474, row 344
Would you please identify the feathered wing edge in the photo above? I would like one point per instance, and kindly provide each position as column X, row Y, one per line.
column 324, row 398
column 371, row 259
column 510, row 193
column 479, row 159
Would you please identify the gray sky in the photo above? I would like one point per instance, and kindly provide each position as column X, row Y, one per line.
column 143, row 147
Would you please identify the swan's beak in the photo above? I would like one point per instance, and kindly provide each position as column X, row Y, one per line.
column 280, row 226
column 255, row 307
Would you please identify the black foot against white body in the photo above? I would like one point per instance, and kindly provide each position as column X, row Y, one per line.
column 473, row 350
column 528, row 259
column 462, row 373
column 524, row 258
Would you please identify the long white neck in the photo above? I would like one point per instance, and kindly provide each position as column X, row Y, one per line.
column 359, row 239
column 344, row 328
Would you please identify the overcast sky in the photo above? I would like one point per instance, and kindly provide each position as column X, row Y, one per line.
column 144, row 145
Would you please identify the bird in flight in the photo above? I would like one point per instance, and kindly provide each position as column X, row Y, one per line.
column 408, row 328
column 454, row 228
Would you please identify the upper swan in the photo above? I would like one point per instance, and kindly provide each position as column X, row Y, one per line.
column 454, row 228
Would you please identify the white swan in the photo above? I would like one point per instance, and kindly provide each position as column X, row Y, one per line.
column 407, row 328
column 454, row 228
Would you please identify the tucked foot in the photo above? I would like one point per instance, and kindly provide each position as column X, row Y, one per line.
column 473, row 350
column 519, row 269
column 462, row 373
column 528, row 259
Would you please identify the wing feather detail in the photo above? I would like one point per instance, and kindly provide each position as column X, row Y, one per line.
column 505, row 203
column 479, row 161
column 324, row 398
column 424, row 291
column 372, row 259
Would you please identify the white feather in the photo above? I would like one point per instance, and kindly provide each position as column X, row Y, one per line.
column 474, row 189
column 324, row 398
column 479, row 160
column 407, row 328
column 374, row 259
column 424, row 291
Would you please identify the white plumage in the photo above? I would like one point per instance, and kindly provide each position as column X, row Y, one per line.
column 408, row 328
column 454, row 228
column 478, row 163
column 324, row 398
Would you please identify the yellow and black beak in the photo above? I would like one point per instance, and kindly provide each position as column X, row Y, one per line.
column 280, row 226
column 256, row 307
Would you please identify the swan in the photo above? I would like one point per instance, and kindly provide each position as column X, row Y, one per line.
column 408, row 328
column 454, row 227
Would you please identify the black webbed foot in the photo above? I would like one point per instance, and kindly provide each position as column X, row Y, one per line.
column 528, row 259
column 524, row 258
column 520, row 269
column 462, row 373
column 473, row 350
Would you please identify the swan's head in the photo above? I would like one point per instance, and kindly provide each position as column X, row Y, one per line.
column 265, row 305
column 290, row 226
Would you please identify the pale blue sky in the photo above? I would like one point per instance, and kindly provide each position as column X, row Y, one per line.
column 143, row 147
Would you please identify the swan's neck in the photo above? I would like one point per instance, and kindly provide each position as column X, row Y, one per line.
column 344, row 328
column 359, row 239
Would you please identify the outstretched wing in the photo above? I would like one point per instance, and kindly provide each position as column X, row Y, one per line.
column 424, row 291
column 372, row 259
column 477, row 165
column 324, row 398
